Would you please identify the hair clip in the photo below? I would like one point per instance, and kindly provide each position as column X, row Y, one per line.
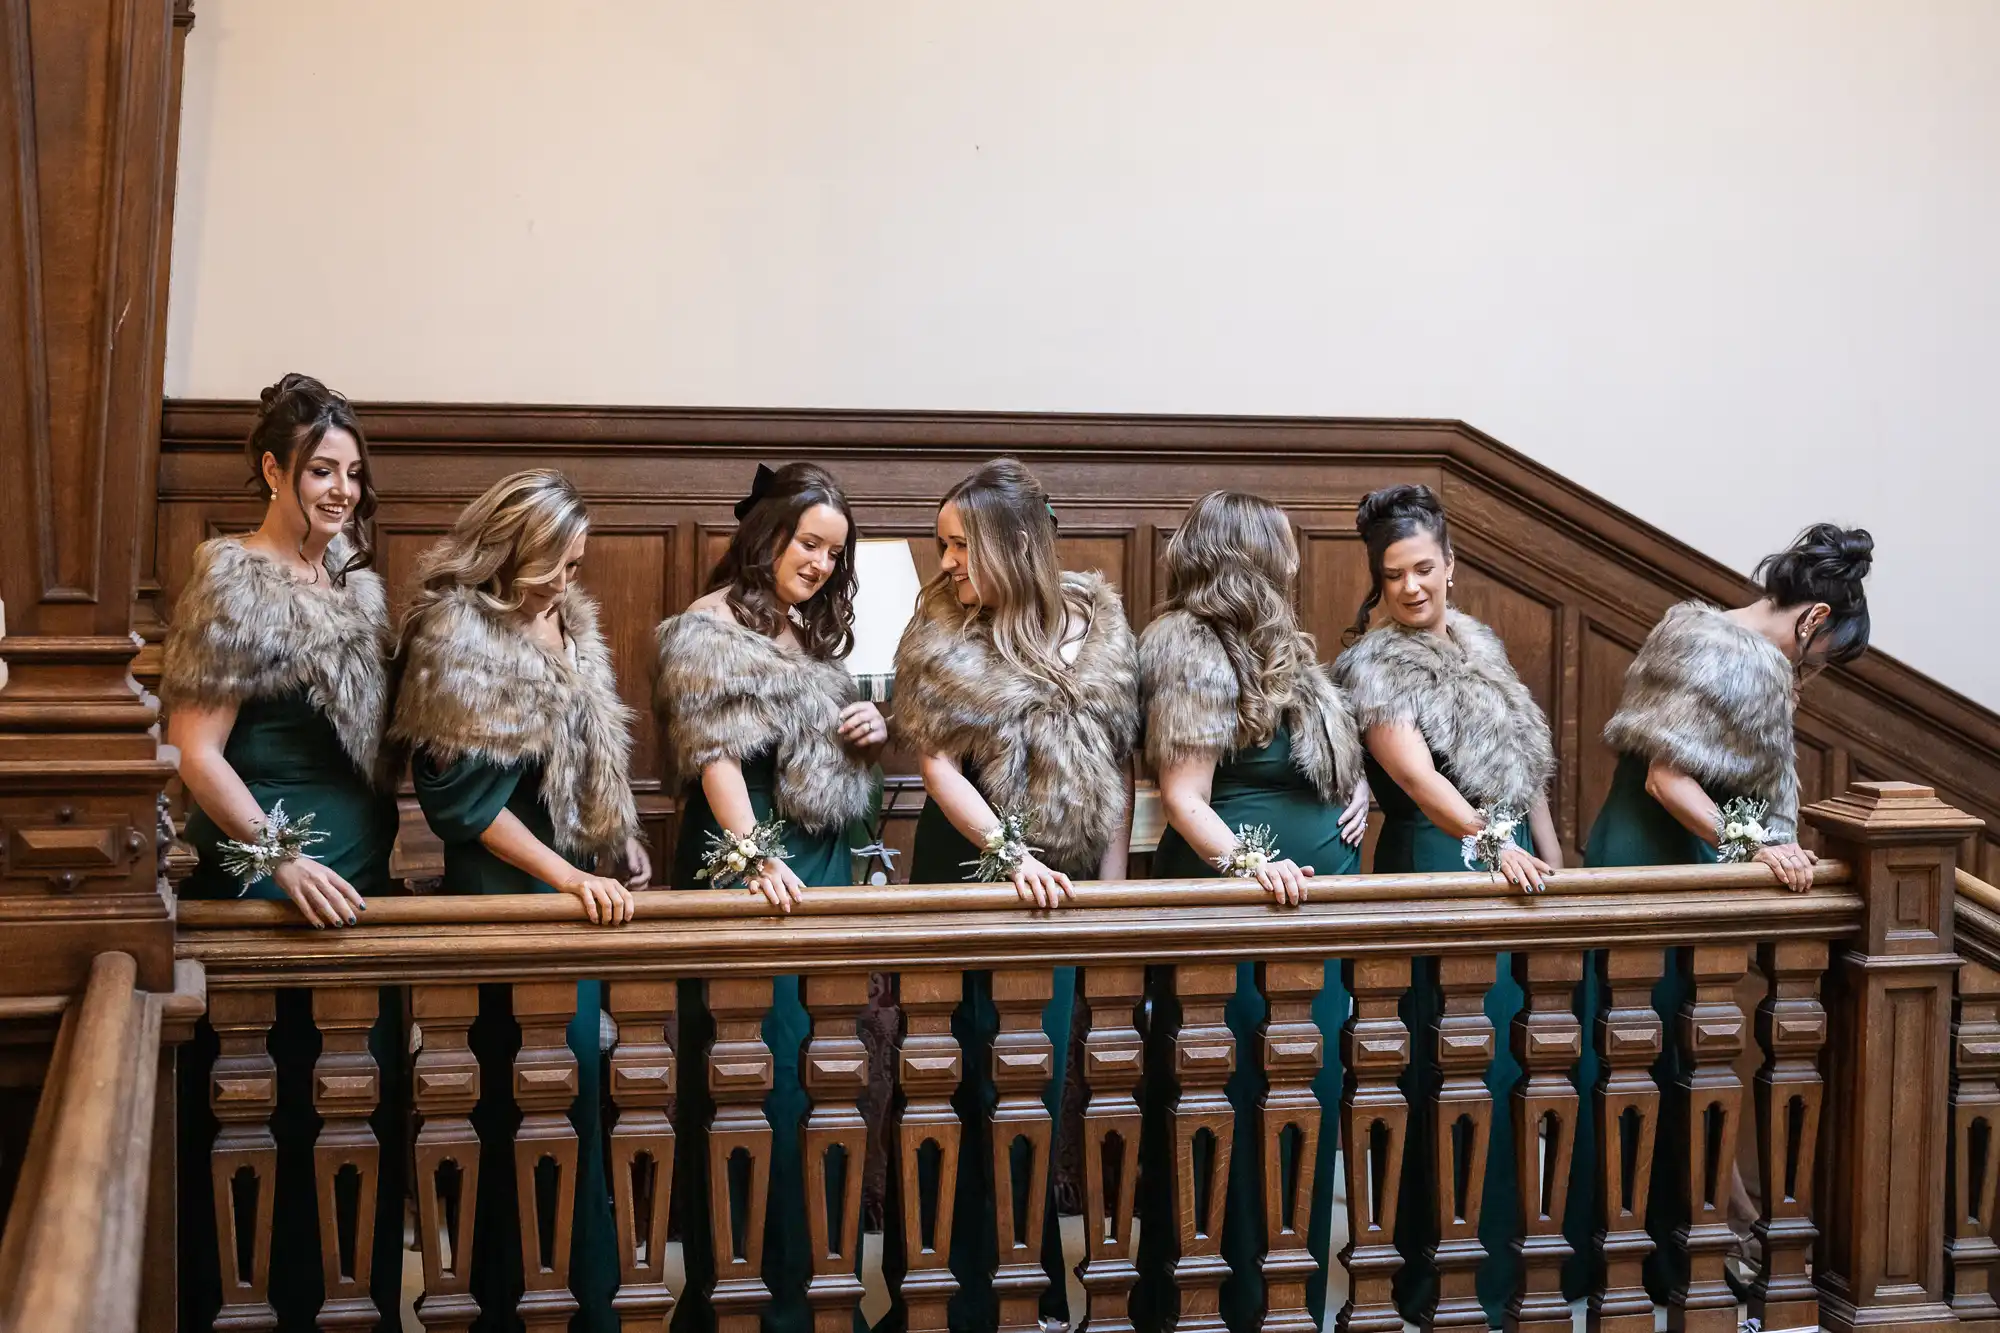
column 760, row 487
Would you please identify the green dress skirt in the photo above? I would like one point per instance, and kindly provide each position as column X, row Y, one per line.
column 1260, row 786
column 1410, row 844
column 284, row 749
column 941, row 855
column 460, row 803
column 1634, row 829
column 819, row 860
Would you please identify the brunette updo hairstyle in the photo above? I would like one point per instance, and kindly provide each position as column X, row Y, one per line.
column 1825, row 564
column 749, row 568
column 295, row 415
column 1386, row 517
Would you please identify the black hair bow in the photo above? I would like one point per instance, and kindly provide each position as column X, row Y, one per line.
column 759, row 488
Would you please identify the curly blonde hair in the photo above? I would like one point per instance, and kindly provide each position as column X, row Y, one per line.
column 511, row 539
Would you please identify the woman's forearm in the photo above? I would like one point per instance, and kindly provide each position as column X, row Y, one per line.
column 1684, row 799
column 510, row 840
column 955, row 795
column 1118, row 856
column 220, row 793
column 1443, row 804
column 1543, row 825
column 1184, row 792
column 728, row 796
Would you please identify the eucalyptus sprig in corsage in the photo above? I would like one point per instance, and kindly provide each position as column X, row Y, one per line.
column 1255, row 848
column 731, row 857
column 1004, row 848
column 1482, row 849
column 281, row 839
column 1739, row 829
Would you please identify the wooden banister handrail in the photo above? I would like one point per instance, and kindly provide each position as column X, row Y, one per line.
column 72, row 1252
column 724, row 935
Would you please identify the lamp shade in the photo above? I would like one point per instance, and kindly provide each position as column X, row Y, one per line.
column 885, row 597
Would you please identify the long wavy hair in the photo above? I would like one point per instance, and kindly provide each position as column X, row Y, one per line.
column 749, row 568
column 508, row 541
column 293, row 416
column 1010, row 538
column 1234, row 565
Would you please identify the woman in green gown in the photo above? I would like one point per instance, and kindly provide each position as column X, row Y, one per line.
column 765, row 727
column 1254, row 749
column 520, row 752
column 276, row 684
column 1454, row 742
column 1706, row 718
column 1017, row 686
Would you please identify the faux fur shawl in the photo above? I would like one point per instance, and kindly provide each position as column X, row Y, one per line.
column 474, row 685
column 727, row 692
column 1191, row 692
column 1461, row 693
column 245, row 629
column 1060, row 758
column 1713, row 699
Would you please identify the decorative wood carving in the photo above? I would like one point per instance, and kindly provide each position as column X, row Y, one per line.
column 545, row 1084
column 1970, row 1251
column 446, row 1088
column 1374, row 1126
column 1294, row 1053
column 1114, row 1061
column 642, row 1149
column 1711, row 1031
column 1791, row 1026
column 836, row 1077
column 929, row 1067
column 1023, row 1063
column 347, row 1085
column 1464, row 1042
column 741, row 1074
column 1204, row 1129
column 1629, row 1039
column 1548, row 1041
column 243, row 1164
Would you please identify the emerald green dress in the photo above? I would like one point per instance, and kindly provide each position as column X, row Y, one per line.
column 1256, row 786
column 819, row 860
column 285, row 749
column 943, row 855
column 1634, row 829
column 460, row 801
column 1409, row 843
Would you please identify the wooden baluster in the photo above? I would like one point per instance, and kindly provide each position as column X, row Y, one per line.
column 1970, row 1251
column 1293, row 1054
column 243, row 1166
column 642, row 1150
column 1023, row 1062
column 1711, row 1030
column 836, row 1077
column 447, row 1088
column 1114, row 1061
column 1204, row 1058
column 1630, row 1038
column 741, row 1074
column 346, row 1087
column 545, row 1085
column 930, row 1066
column 1465, row 1044
column 1792, row 1027
column 1548, row 1041
column 1374, row 1122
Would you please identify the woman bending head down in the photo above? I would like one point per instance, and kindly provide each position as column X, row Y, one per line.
column 509, row 703
column 1244, row 728
column 1017, row 685
column 763, row 721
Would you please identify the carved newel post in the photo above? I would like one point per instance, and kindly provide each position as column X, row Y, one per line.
column 1880, row 1258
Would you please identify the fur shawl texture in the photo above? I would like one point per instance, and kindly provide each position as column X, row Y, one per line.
column 727, row 692
column 1060, row 759
column 245, row 629
column 1461, row 693
column 1713, row 699
column 1190, row 692
column 474, row 685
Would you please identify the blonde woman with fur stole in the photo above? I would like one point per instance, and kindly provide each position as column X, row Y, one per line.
column 520, row 749
column 1017, row 685
column 1454, row 741
column 1245, row 731
column 1706, row 718
column 763, row 722
column 276, row 686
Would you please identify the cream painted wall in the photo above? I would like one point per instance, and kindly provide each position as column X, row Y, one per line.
column 1730, row 263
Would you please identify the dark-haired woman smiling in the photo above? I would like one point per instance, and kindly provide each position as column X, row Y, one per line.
column 764, row 725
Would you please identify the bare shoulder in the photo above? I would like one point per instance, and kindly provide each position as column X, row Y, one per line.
column 714, row 604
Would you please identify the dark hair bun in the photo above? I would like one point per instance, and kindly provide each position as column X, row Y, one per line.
column 1402, row 503
column 1826, row 564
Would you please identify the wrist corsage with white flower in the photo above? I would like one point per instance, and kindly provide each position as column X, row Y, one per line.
column 1002, row 850
column 1739, row 829
column 1254, row 849
column 281, row 839
column 1482, row 849
column 733, row 856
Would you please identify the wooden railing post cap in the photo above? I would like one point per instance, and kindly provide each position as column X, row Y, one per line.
column 1890, row 812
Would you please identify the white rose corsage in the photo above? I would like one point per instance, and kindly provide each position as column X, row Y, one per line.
column 1739, row 829
column 1254, row 850
column 1002, row 850
column 281, row 839
column 1482, row 849
column 732, row 857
